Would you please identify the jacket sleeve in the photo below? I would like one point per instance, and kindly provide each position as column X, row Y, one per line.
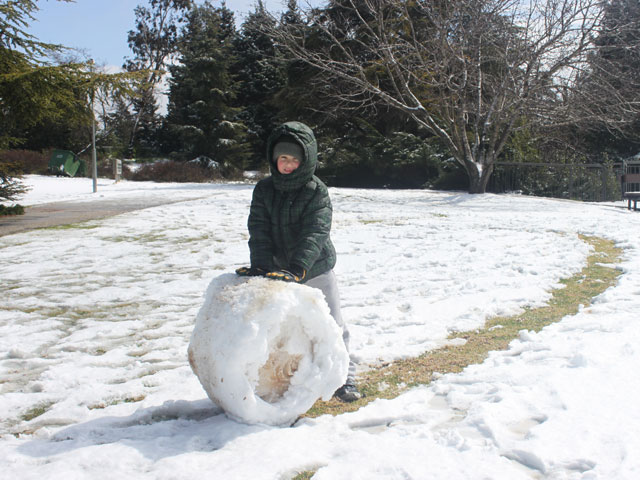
column 315, row 230
column 260, row 242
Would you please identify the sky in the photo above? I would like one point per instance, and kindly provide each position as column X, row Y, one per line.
column 100, row 27
column 97, row 318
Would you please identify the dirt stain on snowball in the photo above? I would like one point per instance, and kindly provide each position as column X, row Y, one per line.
column 274, row 377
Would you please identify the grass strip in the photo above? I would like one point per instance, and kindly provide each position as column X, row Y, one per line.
column 306, row 475
column 391, row 379
column 36, row 411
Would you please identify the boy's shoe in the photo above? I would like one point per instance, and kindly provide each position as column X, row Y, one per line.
column 348, row 393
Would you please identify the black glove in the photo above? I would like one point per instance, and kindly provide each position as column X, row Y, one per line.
column 251, row 272
column 294, row 274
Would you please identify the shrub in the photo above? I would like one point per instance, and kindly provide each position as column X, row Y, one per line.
column 364, row 157
column 13, row 210
column 170, row 171
column 27, row 161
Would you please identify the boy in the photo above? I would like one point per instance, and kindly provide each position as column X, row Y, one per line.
column 289, row 225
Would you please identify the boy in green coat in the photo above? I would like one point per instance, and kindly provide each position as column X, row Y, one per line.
column 290, row 222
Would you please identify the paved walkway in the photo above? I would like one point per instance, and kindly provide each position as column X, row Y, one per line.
column 64, row 213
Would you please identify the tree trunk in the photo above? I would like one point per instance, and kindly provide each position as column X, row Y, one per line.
column 478, row 176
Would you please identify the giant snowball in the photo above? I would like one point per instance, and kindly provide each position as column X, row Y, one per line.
column 265, row 350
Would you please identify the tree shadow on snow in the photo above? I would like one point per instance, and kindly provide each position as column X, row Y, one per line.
column 174, row 428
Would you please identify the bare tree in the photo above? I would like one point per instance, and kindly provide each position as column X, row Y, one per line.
column 472, row 72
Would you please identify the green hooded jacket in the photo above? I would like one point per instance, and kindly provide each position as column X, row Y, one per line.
column 290, row 218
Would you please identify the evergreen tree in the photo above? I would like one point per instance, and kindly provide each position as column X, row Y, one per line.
column 360, row 145
column 44, row 103
column 201, row 118
column 298, row 98
column 118, row 125
column 31, row 89
column 258, row 76
column 15, row 17
column 610, row 92
column 291, row 16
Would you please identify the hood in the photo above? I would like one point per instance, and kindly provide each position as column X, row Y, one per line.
column 302, row 134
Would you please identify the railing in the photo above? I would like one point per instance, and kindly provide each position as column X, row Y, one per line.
column 591, row 182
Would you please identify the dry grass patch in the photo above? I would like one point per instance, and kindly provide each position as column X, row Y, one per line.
column 36, row 411
column 391, row 379
column 304, row 475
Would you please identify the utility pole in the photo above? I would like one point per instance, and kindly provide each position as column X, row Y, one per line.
column 94, row 159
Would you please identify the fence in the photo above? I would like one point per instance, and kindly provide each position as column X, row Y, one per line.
column 591, row 182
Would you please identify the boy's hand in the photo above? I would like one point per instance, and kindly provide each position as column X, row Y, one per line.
column 251, row 272
column 287, row 275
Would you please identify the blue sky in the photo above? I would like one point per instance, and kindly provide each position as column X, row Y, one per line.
column 100, row 27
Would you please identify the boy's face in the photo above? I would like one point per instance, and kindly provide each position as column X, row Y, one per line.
column 287, row 164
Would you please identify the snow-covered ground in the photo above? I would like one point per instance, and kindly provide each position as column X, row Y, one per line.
column 95, row 321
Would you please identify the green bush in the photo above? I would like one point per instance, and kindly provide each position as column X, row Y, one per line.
column 171, row 171
column 13, row 210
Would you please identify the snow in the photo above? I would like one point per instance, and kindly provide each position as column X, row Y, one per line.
column 265, row 351
column 96, row 320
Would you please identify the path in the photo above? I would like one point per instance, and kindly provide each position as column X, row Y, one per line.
column 64, row 213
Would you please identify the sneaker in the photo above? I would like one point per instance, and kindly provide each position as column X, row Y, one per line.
column 348, row 393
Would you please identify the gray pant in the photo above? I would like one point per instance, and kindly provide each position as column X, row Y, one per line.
column 328, row 284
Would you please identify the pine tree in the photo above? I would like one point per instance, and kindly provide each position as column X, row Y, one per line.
column 298, row 98
column 258, row 76
column 201, row 119
column 31, row 89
